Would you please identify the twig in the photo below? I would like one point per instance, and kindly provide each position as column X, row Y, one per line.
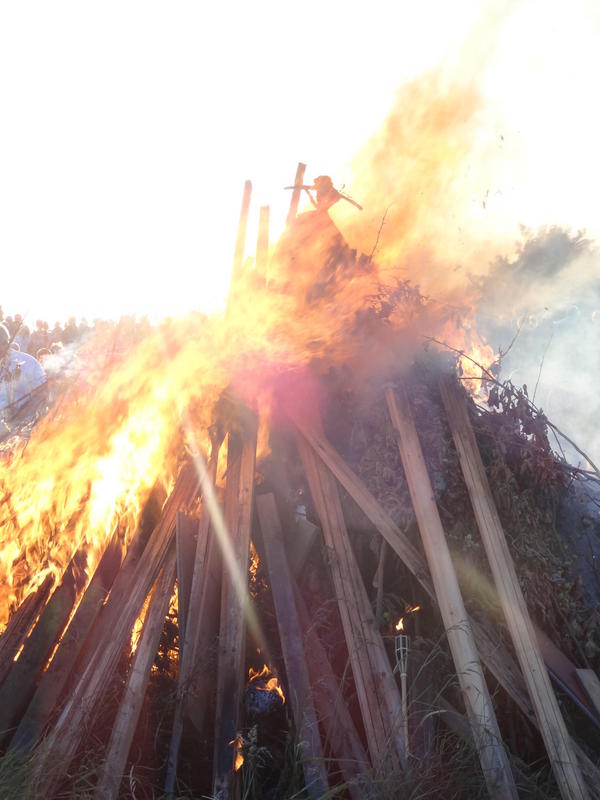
column 541, row 366
column 514, row 339
column 379, row 233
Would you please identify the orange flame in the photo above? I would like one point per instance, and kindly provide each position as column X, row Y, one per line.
column 407, row 610
column 91, row 464
column 238, row 757
column 269, row 681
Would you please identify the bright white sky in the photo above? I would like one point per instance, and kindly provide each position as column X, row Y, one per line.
column 128, row 129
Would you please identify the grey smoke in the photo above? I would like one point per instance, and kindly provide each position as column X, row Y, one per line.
column 550, row 293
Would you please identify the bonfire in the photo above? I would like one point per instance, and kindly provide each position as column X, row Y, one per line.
column 308, row 548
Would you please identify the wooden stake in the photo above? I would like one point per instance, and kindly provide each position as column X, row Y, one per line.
column 495, row 656
column 551, row 723
column 20, row 624
column 113, row 767
column 231, row 677
column 118, row 618
column 493, row 759
column 342, row 736
column 201, row 612
column 298, row 688
column 378, row 694
column 55, row 678
column 240, row 242
column 186, row 534
column 294, row 202
column 19, row 686
column 262, row 242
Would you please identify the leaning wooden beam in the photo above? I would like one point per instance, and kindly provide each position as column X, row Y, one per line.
column 54, row 679
column 341, row 734
column 113, row 767
column 495, row 656
column 200, row 624
column 19, row 686
column 239, row 495
column 486, row 734
column 186, row 532
column 299, row 693
column 551, row 724
column 119, row 615
column 20, row 624
column 378, row 694
column 296, row 192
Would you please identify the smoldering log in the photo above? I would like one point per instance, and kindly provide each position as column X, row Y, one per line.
column 54, row 679
column 20, row 683
column 19, row 625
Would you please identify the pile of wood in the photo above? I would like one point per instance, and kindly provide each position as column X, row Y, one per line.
column 53, row 694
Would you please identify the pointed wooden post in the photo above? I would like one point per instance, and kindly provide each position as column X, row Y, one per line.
column 239, row 496
column 492, row 756
column 299, row 693
column 262, row 242
column 551, row 723
column 240, row 242
column 294, row 202
column 113, row 766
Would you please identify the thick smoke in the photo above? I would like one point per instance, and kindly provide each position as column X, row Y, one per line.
column 548, row 297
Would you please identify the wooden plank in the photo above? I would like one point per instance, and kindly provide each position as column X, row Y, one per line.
column 298, row 688
column 19, row 686
column 591, row 684
column 240, row 242
column 195, row 635
column 551, row 724
column 378, row 695
column 113, row 766
column 341, row 734
column 296, row 192
column 235, row 602
column 20, row 624
column 480, row 711
column 186, row 533
column 495, row 656
column 119, row 615
column 262, row 242
column 54, row 679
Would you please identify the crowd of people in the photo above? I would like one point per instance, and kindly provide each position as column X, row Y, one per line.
column 36, row 363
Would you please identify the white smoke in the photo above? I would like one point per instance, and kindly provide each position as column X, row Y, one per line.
column 548, row 296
